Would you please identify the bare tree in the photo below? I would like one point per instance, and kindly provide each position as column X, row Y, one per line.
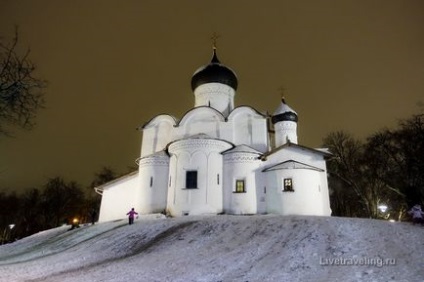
column 356, row 182
column 386, row 169
column 399, row 153
column 30, row 220
column 21, row 93
column 345, row 180
column 61, row 201
column 104, row 175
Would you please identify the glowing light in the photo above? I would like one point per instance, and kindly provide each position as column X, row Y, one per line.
column 382, row 208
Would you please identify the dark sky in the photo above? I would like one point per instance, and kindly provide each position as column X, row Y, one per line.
column 112, row 65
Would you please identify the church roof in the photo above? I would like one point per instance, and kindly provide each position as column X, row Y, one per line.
column 284, row 113
column 242, row 149
column 245, row 109
column 99, row 189
column 193, row 112
column 214, row 72
column 155, row 155
column 198, row 136
column 159, row 118
column 320, row 151
column 291, row 164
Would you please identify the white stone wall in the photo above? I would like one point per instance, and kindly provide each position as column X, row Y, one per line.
column 307, row 198
column 299, row 153
column 153, row 171
column 285, row 131
column 203, row 120
column 242, row 166
column 325, row 194
column 244, row 126
column 248, row 127
column 216, row 95
column 119, row 197
column 201, row 155
column 157, row 133
column 310, row 183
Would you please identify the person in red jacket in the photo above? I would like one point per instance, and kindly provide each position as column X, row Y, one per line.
column 131, row 214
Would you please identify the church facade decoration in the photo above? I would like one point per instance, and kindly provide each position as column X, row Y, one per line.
column 219, row 158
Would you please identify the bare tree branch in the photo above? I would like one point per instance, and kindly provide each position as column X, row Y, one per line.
column 21, row 93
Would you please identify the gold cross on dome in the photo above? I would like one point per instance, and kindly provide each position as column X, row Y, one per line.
column 214, row 38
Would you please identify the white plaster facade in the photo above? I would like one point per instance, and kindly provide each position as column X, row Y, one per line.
column 220, row 159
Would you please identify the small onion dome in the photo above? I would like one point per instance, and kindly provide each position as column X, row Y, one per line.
column 214, row 72
column 284, row 113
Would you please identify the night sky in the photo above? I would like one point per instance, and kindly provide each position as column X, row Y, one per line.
column 111, row 66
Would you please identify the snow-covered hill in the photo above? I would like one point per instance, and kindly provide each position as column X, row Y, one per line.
column 221, row 248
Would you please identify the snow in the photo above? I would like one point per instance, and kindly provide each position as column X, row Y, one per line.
column 220, row 248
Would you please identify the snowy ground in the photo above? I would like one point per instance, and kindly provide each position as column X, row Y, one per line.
column 221, row 248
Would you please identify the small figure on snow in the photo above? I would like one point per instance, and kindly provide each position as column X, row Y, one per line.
column 93, row 216
column 417, row 214
column 131, row 214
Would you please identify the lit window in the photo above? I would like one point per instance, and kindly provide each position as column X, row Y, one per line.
column 240, row 188
column 191, row 179
column 288, row 185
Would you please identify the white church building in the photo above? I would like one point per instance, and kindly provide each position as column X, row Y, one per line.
column 219, row 158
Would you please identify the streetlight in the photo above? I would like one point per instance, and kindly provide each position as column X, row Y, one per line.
column 11, row 226
column 382, row 208
column 4, row 238
column 75, row 223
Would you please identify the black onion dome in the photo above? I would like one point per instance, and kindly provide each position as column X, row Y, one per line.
column 214, row 72
column 284, row 113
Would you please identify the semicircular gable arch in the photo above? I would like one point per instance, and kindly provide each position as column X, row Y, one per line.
column 158, row 119
column 244, row 110
column 203, row 111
